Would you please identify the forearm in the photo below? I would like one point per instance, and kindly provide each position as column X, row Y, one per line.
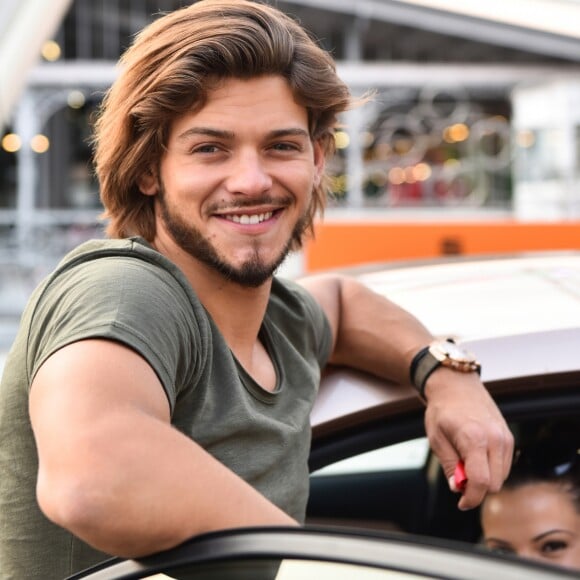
column 461, row 420
column 376, row 335
column 146, row 493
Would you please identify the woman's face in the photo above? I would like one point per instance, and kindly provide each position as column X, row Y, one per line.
column 535, row 520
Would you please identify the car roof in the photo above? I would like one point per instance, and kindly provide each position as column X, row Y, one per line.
column 520, row 314
column 486, row 296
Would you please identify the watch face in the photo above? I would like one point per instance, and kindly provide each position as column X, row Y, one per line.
column 450, row 350
column 455, row 352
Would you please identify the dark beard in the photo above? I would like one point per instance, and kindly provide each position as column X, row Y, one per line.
column 251, row 274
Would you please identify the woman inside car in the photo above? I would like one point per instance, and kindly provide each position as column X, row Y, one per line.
column 536, row 514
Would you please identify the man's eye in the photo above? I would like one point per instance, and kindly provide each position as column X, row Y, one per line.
column 286, row 147
column 554, row 546
column 205, row 149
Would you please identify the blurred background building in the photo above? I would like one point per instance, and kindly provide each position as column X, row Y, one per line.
column 471, row 144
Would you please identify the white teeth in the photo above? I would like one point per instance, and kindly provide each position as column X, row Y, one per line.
column 246, row 219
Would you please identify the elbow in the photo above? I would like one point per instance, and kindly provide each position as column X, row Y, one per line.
column 69, row 504
column 96, row 515
column 79, row 508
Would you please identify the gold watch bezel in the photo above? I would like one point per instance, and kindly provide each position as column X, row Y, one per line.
column 454, row 356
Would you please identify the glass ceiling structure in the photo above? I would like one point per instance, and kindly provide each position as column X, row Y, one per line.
column 547, row 27
column 558, row 17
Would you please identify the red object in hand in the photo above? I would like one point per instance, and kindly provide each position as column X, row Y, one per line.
column 460, row 477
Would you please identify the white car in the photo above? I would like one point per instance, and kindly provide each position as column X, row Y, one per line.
column 519, row 314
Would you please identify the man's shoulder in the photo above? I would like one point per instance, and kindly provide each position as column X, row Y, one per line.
column 104, row 256
column 288, row 295
column 285, row 287
column 97, row 248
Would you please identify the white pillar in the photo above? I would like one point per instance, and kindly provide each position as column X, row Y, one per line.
column 547, row 162
column 26, row 125
column 354, row 122
column 25, row 26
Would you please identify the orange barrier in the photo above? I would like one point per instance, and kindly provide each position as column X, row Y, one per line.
column 341, row 244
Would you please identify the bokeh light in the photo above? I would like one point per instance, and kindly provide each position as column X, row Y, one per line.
column 40, row 143
column 397, row 175
column 51, row 50
column 456, row 133
column 422, row 172
column 76, row 99
column 11, row 142
column 341, row 139
column 526, row 139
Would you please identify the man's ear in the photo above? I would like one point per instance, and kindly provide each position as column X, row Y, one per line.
column 319, row 162
column 148, row 183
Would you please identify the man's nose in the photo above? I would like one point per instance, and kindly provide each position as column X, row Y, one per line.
column 249, row 175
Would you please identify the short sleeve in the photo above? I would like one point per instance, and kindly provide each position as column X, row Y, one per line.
column 128, row 300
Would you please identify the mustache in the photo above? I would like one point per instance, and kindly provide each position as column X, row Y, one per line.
column 262, row 200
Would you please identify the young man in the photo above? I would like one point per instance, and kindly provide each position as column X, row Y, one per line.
column 162, row 380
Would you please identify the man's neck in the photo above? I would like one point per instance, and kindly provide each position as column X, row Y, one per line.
column 238, row 311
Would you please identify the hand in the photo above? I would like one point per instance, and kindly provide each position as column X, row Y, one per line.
column 463, row 423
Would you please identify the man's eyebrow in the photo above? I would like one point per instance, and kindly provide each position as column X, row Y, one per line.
column 223, row 134
column 205, row 131
column 290, row 132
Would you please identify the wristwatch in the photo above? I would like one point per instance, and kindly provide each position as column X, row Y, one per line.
column 441, row 352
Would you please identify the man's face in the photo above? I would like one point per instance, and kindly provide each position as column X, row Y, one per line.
column 236, row 180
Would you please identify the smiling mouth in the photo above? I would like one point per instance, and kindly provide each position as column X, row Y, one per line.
column 249, row 219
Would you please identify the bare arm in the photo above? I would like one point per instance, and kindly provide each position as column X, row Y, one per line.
column 373, row 334
column 370, row 332
column 113, row 471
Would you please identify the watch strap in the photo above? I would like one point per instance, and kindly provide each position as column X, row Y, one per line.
column 428, row 359
column 424, row 364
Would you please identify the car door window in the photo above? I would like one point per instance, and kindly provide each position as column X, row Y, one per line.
column 410, row 454
column 384, row 489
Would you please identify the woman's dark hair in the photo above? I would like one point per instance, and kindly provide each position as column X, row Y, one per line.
column 552, row 454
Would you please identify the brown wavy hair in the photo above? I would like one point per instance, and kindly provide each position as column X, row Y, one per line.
column 168, row 71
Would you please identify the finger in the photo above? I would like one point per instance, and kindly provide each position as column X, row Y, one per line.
column 477, row 472
column 508, row 455
column 441, row 447
column 498, row 458
column 500, row 454
column 449, row 460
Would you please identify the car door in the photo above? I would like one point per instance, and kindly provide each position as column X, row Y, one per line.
column 319, row 554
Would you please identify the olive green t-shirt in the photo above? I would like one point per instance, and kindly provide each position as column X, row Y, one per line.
column 125, row 291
